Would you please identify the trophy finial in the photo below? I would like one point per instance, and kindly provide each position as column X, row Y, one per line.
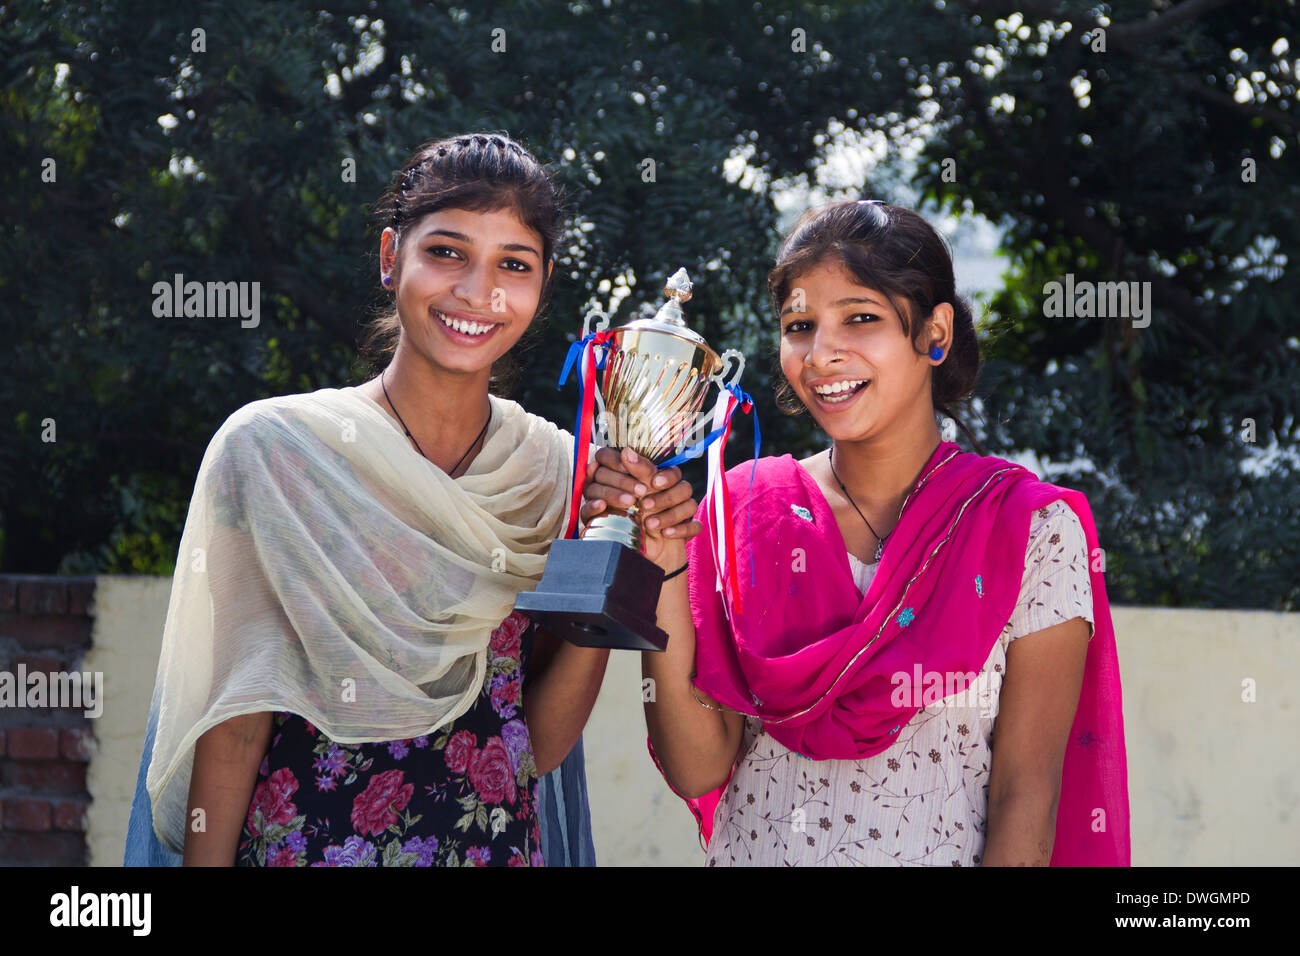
column 678, row 286
column 678, row 290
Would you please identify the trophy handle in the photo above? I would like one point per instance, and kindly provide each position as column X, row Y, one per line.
column 720, row 376
column 602, row 321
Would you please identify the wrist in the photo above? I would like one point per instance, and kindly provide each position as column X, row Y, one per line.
column 672, row 557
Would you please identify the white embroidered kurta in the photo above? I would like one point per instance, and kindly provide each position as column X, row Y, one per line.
column 923, row 801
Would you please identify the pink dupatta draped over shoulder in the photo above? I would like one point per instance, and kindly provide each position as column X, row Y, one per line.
column 815, row 660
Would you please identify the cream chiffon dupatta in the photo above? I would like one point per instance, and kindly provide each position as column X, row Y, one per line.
column 329, row 570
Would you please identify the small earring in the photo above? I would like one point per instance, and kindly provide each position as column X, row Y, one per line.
column 388, row 281
column 936, row 353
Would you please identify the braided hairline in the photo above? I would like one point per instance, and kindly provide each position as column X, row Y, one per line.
column 460, row 142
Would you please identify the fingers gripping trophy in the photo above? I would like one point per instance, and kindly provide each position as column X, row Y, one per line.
column 654, row 377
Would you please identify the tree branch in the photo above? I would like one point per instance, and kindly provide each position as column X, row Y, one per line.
column 1140, row 31
column 1220, row 98
column 1042, row 9
column 1123, row 35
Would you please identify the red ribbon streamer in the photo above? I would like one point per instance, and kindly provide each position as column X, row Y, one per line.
column 584, row 432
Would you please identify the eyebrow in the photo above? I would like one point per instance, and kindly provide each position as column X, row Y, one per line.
column 849, row 300
column 461, row 237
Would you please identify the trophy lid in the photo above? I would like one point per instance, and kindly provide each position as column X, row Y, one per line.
column 669, row 317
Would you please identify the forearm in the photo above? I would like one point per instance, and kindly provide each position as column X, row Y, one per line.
column 559, row 697
column 226, row 761
column 1021, row 830
column 695, row 745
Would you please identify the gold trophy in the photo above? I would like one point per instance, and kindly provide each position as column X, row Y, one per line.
column 601, row 590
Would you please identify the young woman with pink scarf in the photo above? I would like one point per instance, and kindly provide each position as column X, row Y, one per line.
column 836, row 675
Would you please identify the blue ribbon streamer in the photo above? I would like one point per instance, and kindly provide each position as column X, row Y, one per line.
column 698, row 449
column 575, row 351
column 695, row 450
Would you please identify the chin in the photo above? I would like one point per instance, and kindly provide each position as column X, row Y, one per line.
column 446, row 361
column 847, row 428
column 846, row 432
column 457, row 368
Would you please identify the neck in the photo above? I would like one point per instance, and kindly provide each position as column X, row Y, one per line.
column 444, row 411
column 880, row 472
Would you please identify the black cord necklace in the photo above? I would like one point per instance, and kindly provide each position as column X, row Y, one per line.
column 880, row 542
column 417, row 444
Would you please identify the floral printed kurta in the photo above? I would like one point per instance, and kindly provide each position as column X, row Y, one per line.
column 923, row 801
column 463, row 796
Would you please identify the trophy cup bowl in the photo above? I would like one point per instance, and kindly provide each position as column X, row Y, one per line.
column 600, row 590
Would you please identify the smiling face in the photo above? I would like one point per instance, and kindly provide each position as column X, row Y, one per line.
column 467, row 285
column 848, row 359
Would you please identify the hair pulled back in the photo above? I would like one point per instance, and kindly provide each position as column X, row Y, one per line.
column 895, row 251
column 478, row 172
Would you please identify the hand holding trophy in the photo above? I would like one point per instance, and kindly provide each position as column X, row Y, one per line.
column 601, row 590
column 663, row 500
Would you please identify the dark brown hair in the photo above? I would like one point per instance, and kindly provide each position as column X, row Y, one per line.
column 478, row 172
column 896, row 252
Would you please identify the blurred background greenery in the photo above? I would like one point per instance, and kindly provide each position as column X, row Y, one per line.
column 1169, row 157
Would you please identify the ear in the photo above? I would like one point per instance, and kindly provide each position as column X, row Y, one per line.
column 388, row 250
column 939, row 328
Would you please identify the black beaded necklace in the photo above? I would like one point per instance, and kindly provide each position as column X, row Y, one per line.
column 417, row 444
column 880, row 542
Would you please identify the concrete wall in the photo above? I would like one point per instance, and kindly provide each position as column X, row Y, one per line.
column 129, row 616
column 1213, row 780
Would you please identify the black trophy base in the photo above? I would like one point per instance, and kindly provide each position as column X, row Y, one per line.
column 598, row 594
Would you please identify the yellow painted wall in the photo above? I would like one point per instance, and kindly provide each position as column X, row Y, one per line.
column 129, row 616
column 1213, row 780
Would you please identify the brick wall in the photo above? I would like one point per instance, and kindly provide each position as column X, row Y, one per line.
column 45, row 624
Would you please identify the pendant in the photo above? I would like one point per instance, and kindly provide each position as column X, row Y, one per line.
column 880, row 549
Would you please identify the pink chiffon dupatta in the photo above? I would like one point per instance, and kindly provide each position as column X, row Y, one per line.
column 816, row 661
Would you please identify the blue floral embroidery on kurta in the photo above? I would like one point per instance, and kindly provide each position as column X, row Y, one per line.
column 906, row 616
column 802, row 512
column 979, row 585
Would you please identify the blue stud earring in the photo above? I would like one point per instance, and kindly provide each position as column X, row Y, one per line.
column 936, row 353
column 388, row 280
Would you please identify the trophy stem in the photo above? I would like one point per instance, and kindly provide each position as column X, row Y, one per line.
column 616, row 525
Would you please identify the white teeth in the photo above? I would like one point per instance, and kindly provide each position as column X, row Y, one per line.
column 837, row 387
column 469, row 328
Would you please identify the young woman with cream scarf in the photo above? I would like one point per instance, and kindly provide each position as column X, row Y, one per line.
column 342, row 678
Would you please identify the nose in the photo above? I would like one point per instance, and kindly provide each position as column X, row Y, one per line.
column 474, row 287
column 823, row 351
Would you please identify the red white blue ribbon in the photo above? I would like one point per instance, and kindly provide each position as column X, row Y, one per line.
column 721, row 529
column 583, row 353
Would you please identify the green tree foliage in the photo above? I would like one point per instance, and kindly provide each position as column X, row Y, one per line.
column 242, row 180
column 1160, row 150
